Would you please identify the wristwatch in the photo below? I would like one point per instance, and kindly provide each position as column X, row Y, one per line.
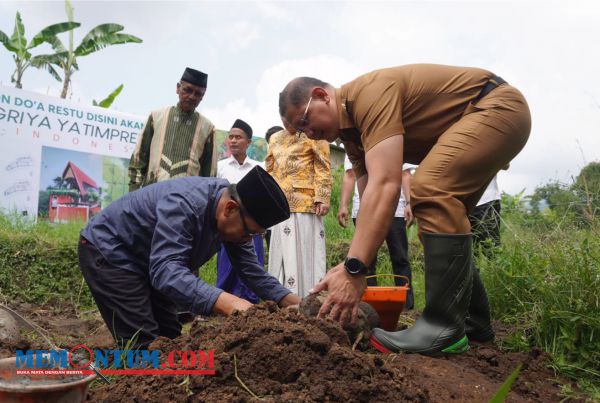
column 355, row 267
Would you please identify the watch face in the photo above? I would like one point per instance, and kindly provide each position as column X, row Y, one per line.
column 354, row 266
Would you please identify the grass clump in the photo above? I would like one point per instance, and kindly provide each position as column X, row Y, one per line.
column 544, row 283
column 38, row 262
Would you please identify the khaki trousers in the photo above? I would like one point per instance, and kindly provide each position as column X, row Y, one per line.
column 452, row 177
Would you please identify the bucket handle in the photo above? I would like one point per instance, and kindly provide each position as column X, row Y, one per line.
column 390, row 275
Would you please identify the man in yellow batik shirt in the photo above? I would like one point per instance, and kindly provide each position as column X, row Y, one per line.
column 297, row 250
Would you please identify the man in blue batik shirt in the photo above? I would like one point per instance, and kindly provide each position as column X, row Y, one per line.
column 138, row 255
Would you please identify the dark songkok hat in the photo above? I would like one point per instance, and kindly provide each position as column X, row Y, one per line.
column 240, row 124
column 262, row 197
column 195, row 77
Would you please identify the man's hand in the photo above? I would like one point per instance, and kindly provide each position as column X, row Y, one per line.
column 344, row 294
column 227, row 303
column 289, row 300
column 408, row 216
column 343, row 216
column 321, row 208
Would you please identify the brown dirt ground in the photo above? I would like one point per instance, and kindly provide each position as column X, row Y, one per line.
column 284, row 356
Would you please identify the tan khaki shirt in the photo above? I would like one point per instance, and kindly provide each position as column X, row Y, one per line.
column 419, row 101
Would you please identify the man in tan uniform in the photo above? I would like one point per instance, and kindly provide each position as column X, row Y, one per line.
column 460, row 125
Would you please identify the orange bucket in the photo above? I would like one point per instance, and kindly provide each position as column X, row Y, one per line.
column 387, row 301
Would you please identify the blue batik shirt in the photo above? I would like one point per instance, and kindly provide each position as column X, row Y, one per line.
column 166, row 231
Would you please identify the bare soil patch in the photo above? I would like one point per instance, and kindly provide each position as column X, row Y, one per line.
column 281, row 355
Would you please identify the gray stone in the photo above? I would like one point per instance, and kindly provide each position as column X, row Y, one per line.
column 9, row 330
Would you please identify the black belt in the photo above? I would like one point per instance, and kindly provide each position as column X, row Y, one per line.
column 493, row 82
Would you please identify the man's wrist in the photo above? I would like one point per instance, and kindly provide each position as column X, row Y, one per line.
column 289, row 299
column 355, row 267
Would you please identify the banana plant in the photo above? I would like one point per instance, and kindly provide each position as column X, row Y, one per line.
column 98, row 38
column 107, row 102
column 17, row 44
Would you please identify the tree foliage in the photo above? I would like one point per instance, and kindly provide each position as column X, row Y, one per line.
column 98, row 38
column 17, row 44
column 64, row 58
column 581, row 199
column 589, row 177
column 108, row 101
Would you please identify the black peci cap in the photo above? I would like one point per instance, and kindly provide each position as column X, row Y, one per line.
column 195, row 77
column 262, row 197
column 240, row 124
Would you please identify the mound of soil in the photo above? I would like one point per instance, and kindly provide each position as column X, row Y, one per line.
column 281, row 355
column 367, row 318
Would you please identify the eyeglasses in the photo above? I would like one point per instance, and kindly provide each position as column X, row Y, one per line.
column 304, row 119
column 247, row 232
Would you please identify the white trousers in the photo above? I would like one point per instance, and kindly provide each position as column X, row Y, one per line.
column 297, row 252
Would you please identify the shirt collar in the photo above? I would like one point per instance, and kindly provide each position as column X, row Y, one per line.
column 182, row 112
column 232, row 160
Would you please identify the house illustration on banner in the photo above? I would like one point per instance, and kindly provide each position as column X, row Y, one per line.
column 76, row 197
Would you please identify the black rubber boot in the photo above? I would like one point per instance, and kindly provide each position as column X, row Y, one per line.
column 448, row 280
column 478, row 326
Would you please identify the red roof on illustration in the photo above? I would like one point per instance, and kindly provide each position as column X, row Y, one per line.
column 80, row 177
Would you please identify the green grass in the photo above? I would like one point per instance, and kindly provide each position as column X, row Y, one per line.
column 501, row 394
column 38, row 262
column 543, row 282
column 208, row 272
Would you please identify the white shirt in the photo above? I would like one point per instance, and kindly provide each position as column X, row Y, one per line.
column 491, row 193
column 233, row 171
column 356, row 199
